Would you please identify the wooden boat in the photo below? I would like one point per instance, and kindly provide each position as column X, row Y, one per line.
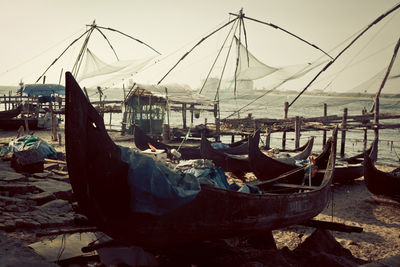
column 236, row 164
column 239, row 164
column 15, row 123
column 380, row 183
column 99, row 180
column 265, row 167
column 349, row 169
column 142, row 142
column 8, row 114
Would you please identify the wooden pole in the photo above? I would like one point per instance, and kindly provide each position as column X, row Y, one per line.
column 167, row 106
column 165, row 133
column 5, row 102
column 285, row 115
column 184, row 115
column 376, row 109
column 376, row 118
column 87, row 96
column 324, row 131
column 9, row 100
column 53, row 124
column 124, row 122
column 297, row 128
column 191, row 114
column 150, row 119
column 343, row 129
column 217, row 129
column 101, row 104
column 363, row 112
column 268, row 138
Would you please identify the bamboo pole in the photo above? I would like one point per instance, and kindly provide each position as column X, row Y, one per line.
column 376, row 103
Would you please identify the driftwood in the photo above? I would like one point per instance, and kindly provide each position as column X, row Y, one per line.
column 334, row 226
column 67, row 231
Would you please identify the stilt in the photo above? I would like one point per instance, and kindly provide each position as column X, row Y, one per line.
column 343, row 129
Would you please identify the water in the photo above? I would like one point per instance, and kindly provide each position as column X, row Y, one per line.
column 271, row 106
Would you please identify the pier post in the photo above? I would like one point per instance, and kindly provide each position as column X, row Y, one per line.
column 217, row 123
column 150, row 119
column 184, row 115
column 297, row 128
column 267, row 138
column 364, row 121
column 343, row 129
column 376, row 118
column 165, row 133
column 324, row 131
column 285, row 108
column 191, row 114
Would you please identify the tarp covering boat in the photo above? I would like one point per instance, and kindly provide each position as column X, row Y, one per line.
column 43, row 89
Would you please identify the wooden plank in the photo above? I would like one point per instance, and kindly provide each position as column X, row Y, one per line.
column 333, row 226
column 296, row 186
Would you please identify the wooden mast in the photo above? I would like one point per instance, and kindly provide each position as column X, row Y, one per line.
column 376, row 102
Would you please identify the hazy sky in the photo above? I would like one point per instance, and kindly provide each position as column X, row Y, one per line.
column 34, row 33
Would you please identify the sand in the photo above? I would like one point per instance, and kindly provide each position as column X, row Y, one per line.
column 350, row 204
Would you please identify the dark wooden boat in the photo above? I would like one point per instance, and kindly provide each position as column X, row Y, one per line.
column 236, row 164
column 349, row 169
column 15, row 123
column 99, row 180
column 8, row 114
column 265, row 167
column 386, row 184
column 239, row 164
column 142, row 142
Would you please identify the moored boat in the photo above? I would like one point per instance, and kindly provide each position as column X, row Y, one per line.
column 378, row 182
column 99, row 178
column 142, row 142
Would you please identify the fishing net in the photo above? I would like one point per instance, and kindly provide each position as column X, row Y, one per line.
column 249, row 67
column 95, row 67
column 392, row 84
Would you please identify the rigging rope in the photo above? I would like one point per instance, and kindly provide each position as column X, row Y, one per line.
column 341, row 52
column 197, row 44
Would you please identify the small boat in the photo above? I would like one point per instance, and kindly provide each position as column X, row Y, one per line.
column 386, row 184
column 15, row 123
column 8, row 114
column 349, row 169
column 99, row 179
column 239, row 164
column 265, row 167
column 142, row 142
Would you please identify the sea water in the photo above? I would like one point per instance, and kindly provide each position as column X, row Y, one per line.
column 271, row 106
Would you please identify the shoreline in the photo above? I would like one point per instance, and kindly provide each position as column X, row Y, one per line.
column 350, row 204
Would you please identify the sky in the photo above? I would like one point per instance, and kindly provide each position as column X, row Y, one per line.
column 34, row 33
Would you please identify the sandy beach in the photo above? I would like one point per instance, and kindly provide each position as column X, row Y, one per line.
column 352, row 205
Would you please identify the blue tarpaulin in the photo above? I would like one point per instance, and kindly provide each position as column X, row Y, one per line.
column 156, row 189
column 43, row 89
column 28, row 142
